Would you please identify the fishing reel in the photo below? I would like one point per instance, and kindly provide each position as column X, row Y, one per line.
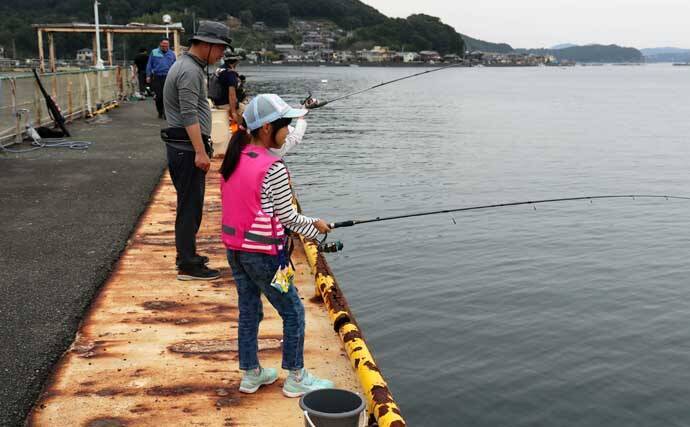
column 330, row 247
column 311, row 103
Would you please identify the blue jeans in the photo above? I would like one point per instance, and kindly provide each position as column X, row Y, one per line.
column 253, row 273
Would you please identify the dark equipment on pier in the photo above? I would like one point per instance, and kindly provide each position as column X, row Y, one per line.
column 313, row 104
column 503, row 205
column 52, row 107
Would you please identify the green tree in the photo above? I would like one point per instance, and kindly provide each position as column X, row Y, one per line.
column 276, row 15
column 247, row 17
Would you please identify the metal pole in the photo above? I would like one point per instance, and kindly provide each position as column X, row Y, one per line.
column 99, row 61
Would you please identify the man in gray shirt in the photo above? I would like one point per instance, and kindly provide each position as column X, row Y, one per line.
column 187, row 142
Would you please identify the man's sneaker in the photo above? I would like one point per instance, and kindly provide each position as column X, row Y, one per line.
column 301, row 382
column 196, row 259
column 255, row 378
column 197, row 272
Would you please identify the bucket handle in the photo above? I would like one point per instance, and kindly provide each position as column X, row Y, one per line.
column 306, row 416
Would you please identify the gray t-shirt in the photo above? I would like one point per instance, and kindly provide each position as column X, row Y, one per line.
column 185, row 95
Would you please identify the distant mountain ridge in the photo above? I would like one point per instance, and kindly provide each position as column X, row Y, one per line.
column 369, row 25
column 594, row 53
column 484, row 46
column 666, row 54
column 562, row 46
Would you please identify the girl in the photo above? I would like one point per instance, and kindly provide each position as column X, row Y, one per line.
column 257, row 207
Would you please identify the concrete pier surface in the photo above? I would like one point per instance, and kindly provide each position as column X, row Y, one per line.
column 149, row 350
column 156, row 351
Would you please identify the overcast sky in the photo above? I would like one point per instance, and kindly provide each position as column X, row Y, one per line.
column 544, row 23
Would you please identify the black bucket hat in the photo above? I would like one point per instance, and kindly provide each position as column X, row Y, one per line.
column 231, row 56
column 212, row 32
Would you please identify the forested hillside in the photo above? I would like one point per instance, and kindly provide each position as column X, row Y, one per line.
column 368, row 25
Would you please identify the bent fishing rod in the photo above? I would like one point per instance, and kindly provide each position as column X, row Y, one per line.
column 318, row 104
column 350, row 223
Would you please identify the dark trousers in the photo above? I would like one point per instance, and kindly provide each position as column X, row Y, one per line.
column 157, row 83
column 142, row 81
column 190, row 184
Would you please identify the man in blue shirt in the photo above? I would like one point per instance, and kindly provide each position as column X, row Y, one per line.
column 160, row 61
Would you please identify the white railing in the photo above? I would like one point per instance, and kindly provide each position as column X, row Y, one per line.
column 77, row 94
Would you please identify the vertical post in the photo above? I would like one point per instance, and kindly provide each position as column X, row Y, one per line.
column 118, row 82
column 94, row 57
column 70, row 107
column 41, row 67
column 99, row 94
column 109, row 44
column 51, row 52
column 82, row 96
column 176, row 40
column 38, row 97
column 17, row 114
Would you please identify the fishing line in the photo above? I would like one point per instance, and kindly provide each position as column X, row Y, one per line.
column 350, row 223
column 312, row 104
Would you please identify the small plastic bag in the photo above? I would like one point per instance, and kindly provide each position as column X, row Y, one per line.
column 285, row 276
column 283, row 279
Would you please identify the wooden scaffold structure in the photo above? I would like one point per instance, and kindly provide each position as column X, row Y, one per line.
column 108, row 30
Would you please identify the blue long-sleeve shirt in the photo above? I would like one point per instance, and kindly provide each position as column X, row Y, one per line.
column 160, row 62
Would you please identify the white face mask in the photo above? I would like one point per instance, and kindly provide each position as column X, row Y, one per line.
column 287, row 145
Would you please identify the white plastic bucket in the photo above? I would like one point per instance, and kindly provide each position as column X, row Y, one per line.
column 220, row 131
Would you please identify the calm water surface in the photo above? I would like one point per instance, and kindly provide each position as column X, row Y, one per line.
column 573, row 314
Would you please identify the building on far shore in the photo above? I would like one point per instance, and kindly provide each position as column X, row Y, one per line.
column 2, row 51
column 377, row 54
column 344, row 56
column 430, row 56
column 411, row 57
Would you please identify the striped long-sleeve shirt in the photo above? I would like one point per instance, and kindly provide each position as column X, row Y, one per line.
column 276, row 199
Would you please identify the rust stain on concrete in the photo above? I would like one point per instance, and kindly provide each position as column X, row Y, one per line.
column 155, row 351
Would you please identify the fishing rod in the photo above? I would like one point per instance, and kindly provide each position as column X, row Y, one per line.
column 52, row 107
column 350, row 223
column 314, row 104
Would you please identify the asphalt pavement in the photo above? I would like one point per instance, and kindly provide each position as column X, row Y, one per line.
column 65, row 217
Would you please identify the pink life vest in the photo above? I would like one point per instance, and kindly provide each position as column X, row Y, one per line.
column 245, row 226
